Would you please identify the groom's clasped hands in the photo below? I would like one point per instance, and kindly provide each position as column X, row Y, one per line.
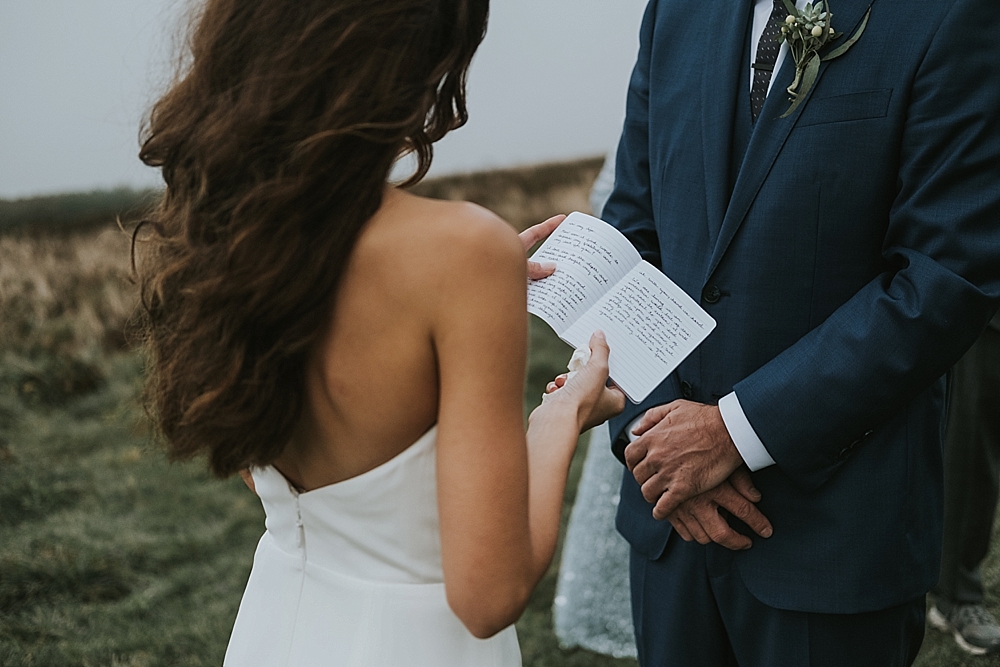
column 689, row 469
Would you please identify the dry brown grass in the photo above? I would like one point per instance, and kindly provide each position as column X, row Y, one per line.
column 522, row 196
column 66, row 295
column 69, row 295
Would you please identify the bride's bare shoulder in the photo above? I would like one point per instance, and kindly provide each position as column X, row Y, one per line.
column 434, row 233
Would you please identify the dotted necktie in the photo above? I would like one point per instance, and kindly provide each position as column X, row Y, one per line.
column 767, row 54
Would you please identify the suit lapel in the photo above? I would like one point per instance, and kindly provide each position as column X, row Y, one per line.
column 771, row 131
column 718, row 103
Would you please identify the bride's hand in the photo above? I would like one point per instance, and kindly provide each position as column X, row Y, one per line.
column 534, row 234
column 588, row 387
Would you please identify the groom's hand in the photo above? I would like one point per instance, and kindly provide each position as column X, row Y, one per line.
column 683, row 450
column 700, row 519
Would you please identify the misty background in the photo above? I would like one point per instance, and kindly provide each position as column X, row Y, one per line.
column 77, row 76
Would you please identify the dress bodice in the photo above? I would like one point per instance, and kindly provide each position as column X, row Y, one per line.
column 381, row 525
column 349, row 575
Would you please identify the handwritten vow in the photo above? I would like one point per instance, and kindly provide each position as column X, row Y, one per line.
column 602, row 283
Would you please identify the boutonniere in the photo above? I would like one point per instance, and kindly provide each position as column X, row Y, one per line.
column 807, row 32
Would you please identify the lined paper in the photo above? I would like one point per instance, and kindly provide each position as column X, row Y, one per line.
column 591, row 256
column 651, row 325
column 601, row 282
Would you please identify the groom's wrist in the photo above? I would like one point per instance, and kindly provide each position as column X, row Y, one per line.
column 742, row 434
column 720, row 434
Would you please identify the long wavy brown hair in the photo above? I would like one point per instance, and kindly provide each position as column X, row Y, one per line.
column 276, row 142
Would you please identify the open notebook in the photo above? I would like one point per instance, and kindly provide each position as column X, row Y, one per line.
column 601, row 282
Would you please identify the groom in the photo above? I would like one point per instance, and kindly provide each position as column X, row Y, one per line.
column 850, row 253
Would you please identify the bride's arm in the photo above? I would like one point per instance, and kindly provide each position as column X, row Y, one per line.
column 498, row 531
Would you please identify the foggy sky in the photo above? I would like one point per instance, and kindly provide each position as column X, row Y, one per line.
column 76, row 77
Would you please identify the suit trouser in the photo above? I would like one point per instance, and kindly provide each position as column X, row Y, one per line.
column 691, row 609
column 971, row 469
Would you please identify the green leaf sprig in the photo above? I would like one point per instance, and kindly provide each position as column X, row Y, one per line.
column 807, row 32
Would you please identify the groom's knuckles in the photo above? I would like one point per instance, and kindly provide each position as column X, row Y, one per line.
column 735, row 503
column 693, row 526
column 718, row 530
column 634, row 453
column 679, row 526
column 654, row 416
column 638, row 470
column 667, row 503
column 650, row 490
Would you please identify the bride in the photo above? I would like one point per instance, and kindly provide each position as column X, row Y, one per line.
column 359, row 349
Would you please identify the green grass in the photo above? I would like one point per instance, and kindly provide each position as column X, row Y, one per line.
column 110, row 556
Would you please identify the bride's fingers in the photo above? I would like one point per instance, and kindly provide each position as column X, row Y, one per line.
column 539, row 270
column 536, row 233
column 557, row 383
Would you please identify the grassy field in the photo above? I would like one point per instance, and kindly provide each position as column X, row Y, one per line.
column 109, row 556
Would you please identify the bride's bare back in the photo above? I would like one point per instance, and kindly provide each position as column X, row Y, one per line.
column 373, row 383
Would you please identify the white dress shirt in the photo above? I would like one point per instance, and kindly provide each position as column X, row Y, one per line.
column 749, row 445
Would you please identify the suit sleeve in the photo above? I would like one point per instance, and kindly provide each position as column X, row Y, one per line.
column 904, row 329
column 630, row 206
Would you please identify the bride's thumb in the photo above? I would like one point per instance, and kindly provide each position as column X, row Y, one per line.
column 599, row 351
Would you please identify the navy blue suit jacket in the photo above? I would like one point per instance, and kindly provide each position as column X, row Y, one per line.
column 853, row 261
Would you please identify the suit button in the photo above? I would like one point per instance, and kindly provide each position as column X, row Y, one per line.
column 711, row 294
column 687, row 391
column 844, row 454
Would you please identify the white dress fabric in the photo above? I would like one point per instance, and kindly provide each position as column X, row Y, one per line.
column 592, row 608
column 349, row 575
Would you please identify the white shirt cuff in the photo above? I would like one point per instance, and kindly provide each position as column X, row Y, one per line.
column 744, row 437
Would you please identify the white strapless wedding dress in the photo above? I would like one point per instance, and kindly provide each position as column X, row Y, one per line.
column 349, row 575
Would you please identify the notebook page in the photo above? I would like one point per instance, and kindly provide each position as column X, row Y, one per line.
column 651, row 326
column 591, row 256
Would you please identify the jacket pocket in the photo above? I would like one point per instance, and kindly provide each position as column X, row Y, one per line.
column 844, row 108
